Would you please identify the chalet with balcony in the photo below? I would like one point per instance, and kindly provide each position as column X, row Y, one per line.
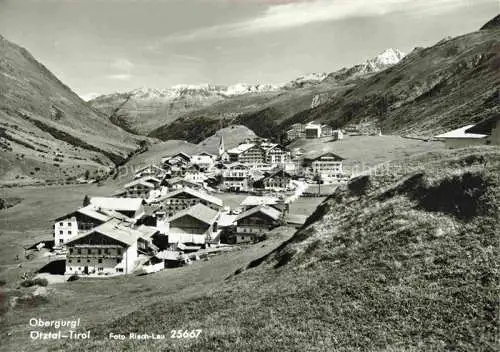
column 255, row 222
column 235, row 177
column 194, row 226
column 109, row 249
column 71, row 225
column 184, row 198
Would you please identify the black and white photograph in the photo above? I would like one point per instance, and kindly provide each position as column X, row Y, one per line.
column 249, row 175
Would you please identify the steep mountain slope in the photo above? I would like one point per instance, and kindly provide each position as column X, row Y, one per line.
column 395, row 262
column 46, row 130
column 446, row 86
column 151, row 111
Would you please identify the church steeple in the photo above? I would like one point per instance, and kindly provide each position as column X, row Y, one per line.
column 221, row 145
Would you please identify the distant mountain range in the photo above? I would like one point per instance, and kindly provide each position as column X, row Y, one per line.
column 450, row 84
column 145, row 109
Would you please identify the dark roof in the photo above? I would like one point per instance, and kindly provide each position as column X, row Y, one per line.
column 316, row 156
column 485, row 126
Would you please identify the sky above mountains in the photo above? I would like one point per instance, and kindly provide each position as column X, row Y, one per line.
column 103, row 46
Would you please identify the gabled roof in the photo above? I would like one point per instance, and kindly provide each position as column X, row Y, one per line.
column 233, row 165
column 485, row 126
column 316, row 156
column 115, row 229
column 148, row 167
column 89, row 211
column 200, row 212
column 147, row 231
column 111, row 203
column 175, row 180
column 270, row 212
column 277, row 172
column 461, row 133
column 255, row 200
column 241, row 148
column 146, row 181
column 194, row 193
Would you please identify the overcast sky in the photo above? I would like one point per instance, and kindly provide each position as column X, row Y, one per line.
column 103, row 46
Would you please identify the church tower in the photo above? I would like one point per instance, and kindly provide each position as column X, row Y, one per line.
column 221, row 145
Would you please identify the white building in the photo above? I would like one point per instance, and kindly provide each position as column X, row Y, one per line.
column 327, row 165
column 109, row 249
column 460, row 138
column 235, row 177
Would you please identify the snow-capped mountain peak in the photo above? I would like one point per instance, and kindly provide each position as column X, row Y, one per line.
column 388, row 58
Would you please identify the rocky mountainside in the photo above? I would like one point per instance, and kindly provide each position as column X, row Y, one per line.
column 446, row 86
column 144, row 110
column 46, row 130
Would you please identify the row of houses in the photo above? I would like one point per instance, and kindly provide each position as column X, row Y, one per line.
column 312, row 130
column 110, row 235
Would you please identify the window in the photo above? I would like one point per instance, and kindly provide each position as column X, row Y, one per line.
column 61, row 232
column 99, row 251
column 79, row 251
column 71, row 251
column 99, row 261
column 119, row 251
column 100, row 269
column 78, row 261
column 61, row 224
column 69, row 224
column 106, row 251
column 119, row 270
column 88, row 260
column 69, row 232
column 61, row 241
column 118, row 260
column 70, row 261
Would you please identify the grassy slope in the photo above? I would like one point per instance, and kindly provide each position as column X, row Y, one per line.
column 363, row 152
column 40, row 117
column 391, row 264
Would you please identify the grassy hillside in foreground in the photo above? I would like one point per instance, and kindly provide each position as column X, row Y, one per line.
column 404, row 261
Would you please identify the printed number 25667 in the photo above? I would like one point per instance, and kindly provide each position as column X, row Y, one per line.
column 185, row 334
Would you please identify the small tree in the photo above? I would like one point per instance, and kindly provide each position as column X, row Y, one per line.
column 87, row 174
column 86, row 200
column 319, row 181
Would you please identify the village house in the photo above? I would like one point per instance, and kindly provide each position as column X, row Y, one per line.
column 194, row 226
column 150, row 170
column 194, row 174
column 130, row 207
column 268, row 201
column 326, row 131
column 180, row 199
column 235, row 177
column 180, row 182
column 203, row 160
column 275, row 154
column 109, row 249
column 255, row 222
column 277, row 180
column 313, row 130
column 460, row 138
column 489, row 127
column 248, row 153
column 140, row 188
column 82, row 220
column 297, row 130
column 180, row 159
column 326, row 165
